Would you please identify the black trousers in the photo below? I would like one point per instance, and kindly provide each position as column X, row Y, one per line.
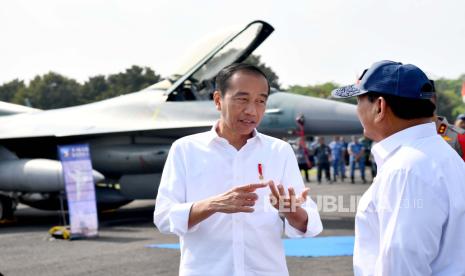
column 305, row 168
column 323, row 167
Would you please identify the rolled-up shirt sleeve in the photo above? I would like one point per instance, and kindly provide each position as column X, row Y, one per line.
column 411, row 216
column 293, row 178
column 171, row 213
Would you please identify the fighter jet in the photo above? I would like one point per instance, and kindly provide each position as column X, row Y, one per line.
column 10, row 109
column 130, row 135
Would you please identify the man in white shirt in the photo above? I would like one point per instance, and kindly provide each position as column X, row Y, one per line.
column 411, row 221
column 218, row 192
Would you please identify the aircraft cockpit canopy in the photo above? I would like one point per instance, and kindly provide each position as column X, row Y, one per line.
column 198, row 82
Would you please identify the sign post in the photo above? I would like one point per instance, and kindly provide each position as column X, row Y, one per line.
column 80, row 190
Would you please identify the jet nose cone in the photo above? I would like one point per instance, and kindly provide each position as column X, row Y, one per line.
column 322, row 116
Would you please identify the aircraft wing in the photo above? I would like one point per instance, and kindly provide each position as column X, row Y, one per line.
column 10, row 109
column 140, row 111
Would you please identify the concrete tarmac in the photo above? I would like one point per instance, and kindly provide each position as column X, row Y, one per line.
column 27, row 249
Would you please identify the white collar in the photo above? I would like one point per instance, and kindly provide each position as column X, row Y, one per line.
column 382, row 150
column 213, row 134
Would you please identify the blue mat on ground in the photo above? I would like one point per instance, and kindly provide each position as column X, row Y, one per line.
column 309, row 247
column 320, row 247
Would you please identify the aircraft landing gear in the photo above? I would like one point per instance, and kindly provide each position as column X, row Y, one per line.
column 7, row 207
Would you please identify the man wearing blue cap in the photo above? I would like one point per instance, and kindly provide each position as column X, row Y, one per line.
column 411, row 221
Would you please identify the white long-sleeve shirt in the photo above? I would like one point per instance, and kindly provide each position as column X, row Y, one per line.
column 411, row 221
column 204, row 165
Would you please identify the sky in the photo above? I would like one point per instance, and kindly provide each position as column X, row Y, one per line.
column 313, row 42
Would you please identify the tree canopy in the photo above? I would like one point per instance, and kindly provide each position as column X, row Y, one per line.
column 53, row 90
column 449, row 100
column 270, row 74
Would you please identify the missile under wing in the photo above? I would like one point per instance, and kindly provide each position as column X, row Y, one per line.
column 130, row 135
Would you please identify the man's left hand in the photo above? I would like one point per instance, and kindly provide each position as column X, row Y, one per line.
column 290, row 205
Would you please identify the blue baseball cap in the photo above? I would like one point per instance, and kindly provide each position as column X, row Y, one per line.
column 391, row 78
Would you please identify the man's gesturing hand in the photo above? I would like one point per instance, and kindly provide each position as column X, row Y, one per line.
column 286, row 203
column 238, row 199
column 289, row 205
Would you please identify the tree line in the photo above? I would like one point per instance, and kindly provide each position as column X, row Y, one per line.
column 53, row 90
column 448, row 104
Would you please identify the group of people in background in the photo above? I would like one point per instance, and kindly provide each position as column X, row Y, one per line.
column 332, row 159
